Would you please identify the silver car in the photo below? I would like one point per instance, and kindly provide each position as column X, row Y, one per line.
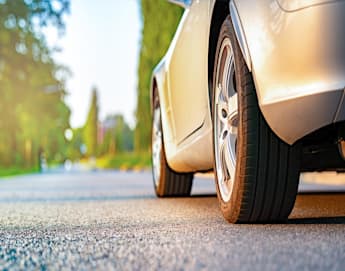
column 253, row 90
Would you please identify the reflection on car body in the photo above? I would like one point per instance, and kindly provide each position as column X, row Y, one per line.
column 254, row 90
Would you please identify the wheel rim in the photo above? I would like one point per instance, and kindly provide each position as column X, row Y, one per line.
column 225, row 120
column 157, row 144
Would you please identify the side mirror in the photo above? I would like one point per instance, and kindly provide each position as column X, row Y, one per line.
column 181, row 3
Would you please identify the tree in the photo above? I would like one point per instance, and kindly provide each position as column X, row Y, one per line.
column 91, row 125
column 75, row 145
column 160, row 21
column 31, row 118
column 118, row 136
column 123, row 135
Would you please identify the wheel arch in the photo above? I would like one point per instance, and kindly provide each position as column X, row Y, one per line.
column 153, row 90
column 219, row 13
column 221, row 9
column 157, row 81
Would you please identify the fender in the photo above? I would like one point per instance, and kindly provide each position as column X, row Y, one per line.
column 240, row 34
column 299, row 86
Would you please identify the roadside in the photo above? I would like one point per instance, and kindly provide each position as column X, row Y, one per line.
column 125, row 161
column 13, row 171
column 139, row 162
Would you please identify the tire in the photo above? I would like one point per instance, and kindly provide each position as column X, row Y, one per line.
column 167, row 183
column 256, row 173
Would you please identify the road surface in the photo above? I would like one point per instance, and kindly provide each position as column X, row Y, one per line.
column 112, row 221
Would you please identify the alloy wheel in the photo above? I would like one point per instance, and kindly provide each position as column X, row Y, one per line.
column 225, row 120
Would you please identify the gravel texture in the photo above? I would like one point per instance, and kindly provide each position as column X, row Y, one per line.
column 112, row 221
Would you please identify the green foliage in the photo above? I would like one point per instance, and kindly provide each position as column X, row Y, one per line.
column 75, row 146
column 91, row 126
column 118, row 136
column 13, row 171
column 160, row 22
column 137, row 160
column 33, row 115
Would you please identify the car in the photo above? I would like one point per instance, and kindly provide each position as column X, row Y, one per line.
column 253, row 90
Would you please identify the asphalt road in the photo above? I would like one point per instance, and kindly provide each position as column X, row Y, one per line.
column 112, row 220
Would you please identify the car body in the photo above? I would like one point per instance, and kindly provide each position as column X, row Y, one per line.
column 295, row 53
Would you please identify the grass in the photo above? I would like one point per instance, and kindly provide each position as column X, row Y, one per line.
column 13, row 171
column 125, row 161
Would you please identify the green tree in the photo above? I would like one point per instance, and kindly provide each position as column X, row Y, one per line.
column 160, row 20
column 74, row 147
column 33, row 114
column 123, row 135
column 91, row 126
column 118, row 136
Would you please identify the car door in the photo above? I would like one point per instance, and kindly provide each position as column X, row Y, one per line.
column 187, row 71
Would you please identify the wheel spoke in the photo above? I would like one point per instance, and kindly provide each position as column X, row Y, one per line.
column 224, row 153
column 226, row 141
column 233, row 106
column 233, row 114
column 223, row 93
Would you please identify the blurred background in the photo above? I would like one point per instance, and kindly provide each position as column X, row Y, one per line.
column 74, row 82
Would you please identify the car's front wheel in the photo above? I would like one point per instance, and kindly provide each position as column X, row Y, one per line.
column 167, row 183
column 256, row 173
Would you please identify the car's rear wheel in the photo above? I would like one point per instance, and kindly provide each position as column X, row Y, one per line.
column 256, row 173
column 167, row 183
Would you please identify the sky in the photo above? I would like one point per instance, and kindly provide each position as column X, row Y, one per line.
column 101, row 47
